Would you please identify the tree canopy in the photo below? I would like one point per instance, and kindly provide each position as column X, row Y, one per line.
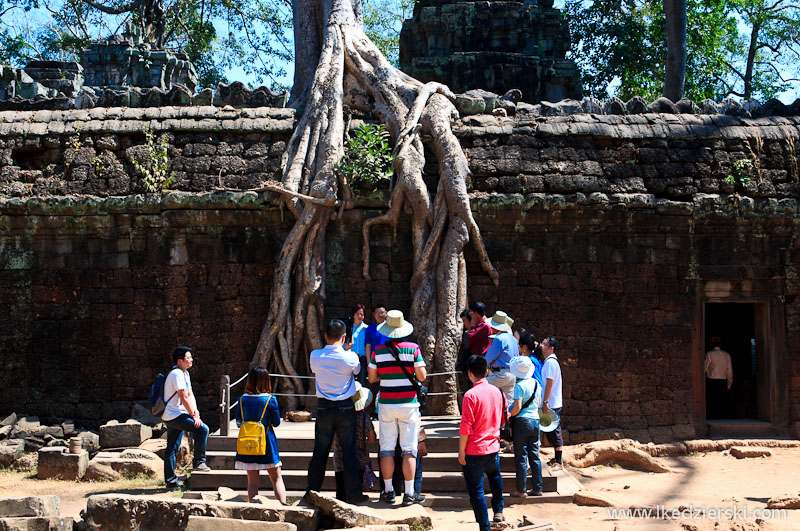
column 217, row 35
column 621, row 45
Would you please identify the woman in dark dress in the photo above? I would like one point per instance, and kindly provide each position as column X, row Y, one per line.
column 252, row 405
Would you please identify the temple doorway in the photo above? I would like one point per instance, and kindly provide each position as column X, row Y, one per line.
column 736, row 326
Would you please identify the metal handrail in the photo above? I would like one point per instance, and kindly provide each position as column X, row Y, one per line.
column 225, row 387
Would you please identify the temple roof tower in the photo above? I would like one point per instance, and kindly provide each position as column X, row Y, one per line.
column 492, row 45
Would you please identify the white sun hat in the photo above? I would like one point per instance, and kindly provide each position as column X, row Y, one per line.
column 395, row 327
column 501, row 321
column 521, row 367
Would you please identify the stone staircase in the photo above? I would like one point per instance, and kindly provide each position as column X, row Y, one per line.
column 442, row 481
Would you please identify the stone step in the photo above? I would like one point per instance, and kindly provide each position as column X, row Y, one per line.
column 740, row 428
column 434, row 461
column 305, row 443
column 447, row 500
column 298, row 480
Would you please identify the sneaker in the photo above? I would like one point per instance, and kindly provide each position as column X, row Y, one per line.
column 535, row 493
column 411, row 499
column 556, row 467
column 499, row 518
column 387, row 497
column 202, row 467
column 552, row 461
column 174, row 486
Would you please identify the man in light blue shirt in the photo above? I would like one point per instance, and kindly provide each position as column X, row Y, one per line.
column 334, row 369
column 502, row 350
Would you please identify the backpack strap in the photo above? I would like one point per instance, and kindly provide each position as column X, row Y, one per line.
column 269, row 397
column 165, row 385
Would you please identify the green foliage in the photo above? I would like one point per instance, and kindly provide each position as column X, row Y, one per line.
column 620, row 46
column 155, row 170
column 217, row 35
column 368, row 156
column 383, row 20
column 743, row 170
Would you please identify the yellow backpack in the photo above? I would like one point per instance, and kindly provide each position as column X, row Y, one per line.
column 252, row 439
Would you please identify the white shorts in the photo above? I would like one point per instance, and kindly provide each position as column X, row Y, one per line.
column 398, row 421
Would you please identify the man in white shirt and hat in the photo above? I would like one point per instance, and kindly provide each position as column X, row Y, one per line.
column 502, row 350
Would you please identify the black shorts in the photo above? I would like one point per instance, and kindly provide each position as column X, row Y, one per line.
column 555, row 436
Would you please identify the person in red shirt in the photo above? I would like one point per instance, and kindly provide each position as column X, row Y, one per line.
column 479, row 443
column 479, row 331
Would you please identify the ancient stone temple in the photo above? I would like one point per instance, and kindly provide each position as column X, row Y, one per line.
column 495, row 46
column 127, row 61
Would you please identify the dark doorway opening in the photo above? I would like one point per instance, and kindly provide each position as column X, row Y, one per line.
column 735, row 324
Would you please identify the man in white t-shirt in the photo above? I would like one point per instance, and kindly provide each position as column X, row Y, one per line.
column 180, row 415
column 551, row 397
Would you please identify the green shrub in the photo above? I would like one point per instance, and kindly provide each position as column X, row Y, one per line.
column 367, row 156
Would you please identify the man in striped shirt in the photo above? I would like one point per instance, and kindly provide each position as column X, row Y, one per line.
column 398, row 407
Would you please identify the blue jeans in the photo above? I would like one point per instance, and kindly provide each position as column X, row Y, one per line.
column 175, row 429
column 476, row 466
column 335, row 417
column 418, row 475
column 526, row 446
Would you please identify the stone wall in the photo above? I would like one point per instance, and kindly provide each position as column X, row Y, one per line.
column 607, row 231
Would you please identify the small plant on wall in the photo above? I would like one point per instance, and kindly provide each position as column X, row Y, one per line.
column 155, row 169
column 742, row 172
column 368, row 156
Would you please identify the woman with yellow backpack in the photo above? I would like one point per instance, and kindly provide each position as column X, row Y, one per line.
column 256, row 445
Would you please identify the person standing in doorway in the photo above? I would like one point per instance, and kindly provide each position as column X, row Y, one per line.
column 719, row 379
column 479, row 443
column 181, row 415
column 335, row 370
column 552, row 396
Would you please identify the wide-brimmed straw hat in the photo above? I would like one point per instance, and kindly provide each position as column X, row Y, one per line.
column 395, row 327
column 521, row 367
column 362, row 398
column 500, row 321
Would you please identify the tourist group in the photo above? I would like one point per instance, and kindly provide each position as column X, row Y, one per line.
column 367, row 371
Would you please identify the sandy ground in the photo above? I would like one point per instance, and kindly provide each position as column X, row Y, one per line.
column 713, row 481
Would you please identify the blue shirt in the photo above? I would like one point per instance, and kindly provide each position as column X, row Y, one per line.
column 358, row 339
column 504, row 347
column 250, row 408
column 537, row 369
column 523, row 390
column 372, row 337
column 333, row 368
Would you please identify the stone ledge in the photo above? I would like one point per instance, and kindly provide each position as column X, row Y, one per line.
column 723, row 204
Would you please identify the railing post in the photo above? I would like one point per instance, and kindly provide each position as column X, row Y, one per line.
column 224, row 404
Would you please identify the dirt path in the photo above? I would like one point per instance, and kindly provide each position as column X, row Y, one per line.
column 709, row 481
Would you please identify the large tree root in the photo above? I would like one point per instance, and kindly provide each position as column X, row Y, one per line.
column 352, row 72
column 624, row 451
column 641, row 455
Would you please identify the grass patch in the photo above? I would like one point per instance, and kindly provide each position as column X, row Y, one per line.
column 139, row 482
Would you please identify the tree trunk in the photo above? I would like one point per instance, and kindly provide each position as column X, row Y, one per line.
column 751, row 59
column 675, row 75
column 337, row 66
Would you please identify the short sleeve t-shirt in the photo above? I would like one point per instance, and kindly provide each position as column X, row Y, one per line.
column 523, row 391
column 396, row 389
column 373, row 337
column 176, row 379
column 552, row 370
